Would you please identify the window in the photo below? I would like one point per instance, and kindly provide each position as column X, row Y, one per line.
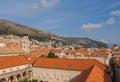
column 17, row 67
column 4, row 71
column 10, row 69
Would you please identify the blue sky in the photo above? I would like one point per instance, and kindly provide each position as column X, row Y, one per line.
column 95, row 19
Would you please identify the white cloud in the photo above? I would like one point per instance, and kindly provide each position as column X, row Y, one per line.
column 89, row 26
column 104, row 41
column 117, row 12
column 35, row 6
column 48, row 3
column 110, row 21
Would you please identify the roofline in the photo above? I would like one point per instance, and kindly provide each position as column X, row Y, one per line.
column 13, row 66
column 57, row 68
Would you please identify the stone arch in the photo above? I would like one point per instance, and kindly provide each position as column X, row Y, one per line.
column 53, row 76
column 47, row 75
column 29, row 74
column 3, row 80
column 24, row 74
column 41, row 81
column 18, row 77
column 11, row 79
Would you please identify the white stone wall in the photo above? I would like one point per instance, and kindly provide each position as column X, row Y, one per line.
column 25, row 44
column 9, row 54
column 12, row 69
column 100, row 59
column 2, row 45
column 54, row 75
column 108, row 59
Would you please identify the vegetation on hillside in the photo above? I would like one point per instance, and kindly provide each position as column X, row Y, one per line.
column 8, row 27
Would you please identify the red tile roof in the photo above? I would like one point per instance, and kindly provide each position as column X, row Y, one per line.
column 73, row 52
column 12, row 61
column 93, row 74
column 32, row 60
column 72, row 64
column 57, row 50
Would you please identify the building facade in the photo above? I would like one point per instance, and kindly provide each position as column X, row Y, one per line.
column 14, row 69
column 17, row 68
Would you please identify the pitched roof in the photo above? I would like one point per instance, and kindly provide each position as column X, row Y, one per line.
column 70, row 64
column 93, row 74
column 32, row 60
column 12, row 61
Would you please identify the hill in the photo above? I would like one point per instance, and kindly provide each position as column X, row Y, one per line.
column 8, row 27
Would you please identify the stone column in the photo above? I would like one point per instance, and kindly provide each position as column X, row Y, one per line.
column 15, row 78
column 6, row 79
column 21, row 74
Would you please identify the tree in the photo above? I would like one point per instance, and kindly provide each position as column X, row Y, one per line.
column 34, row 80
column 26, row 80
column 51, row 54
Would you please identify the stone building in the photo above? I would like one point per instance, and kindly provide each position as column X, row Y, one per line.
column 11, row 51
column 61, row 70
column 14, row 68
column 93, row 74
column 115, row 67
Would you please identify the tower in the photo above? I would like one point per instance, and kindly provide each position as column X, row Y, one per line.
column 25, row 44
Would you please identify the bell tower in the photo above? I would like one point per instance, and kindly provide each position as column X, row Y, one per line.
column 25, row 44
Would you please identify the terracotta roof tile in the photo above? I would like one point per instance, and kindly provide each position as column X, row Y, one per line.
column 32, row 60
column 57, row 50
column 76, row 64
column 12, row 61
column 93, row 74
column 73, row 52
